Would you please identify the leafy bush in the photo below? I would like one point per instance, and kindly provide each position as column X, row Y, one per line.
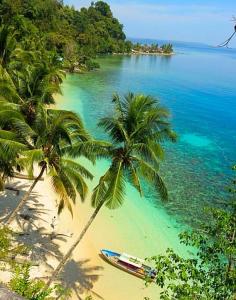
column 34, row 289
column 24, row 286
column 211, row 273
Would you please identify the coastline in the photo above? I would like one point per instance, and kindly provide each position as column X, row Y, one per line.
column 86, row 273
column 123, row 230
column 145, row 53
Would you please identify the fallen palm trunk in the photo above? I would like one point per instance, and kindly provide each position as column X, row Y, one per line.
column 22, row 176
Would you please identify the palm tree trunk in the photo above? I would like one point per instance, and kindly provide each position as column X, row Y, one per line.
column 25, row 198
column 70, row 251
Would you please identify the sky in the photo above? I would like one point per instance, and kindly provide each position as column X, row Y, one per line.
column 206, row 21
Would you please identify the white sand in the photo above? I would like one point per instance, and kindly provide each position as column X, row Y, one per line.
column 86, row 273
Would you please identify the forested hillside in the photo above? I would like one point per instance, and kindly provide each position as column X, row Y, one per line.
column 75, row 35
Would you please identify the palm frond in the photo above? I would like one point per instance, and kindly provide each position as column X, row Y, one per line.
column 134, row 179
column 114, row 196
column 99, row 192
column 114, row 128
column 76, row 167
column 149, row 152
column 60, row 190
column 90, row 149
column 11, row 147
column 152, row 176
column 29, row 158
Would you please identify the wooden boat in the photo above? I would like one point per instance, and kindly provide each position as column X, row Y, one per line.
column 133, row 265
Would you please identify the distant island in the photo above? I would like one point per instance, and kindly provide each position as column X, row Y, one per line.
column 145, row 49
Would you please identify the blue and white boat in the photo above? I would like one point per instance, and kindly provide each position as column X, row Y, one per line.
column 131, row 264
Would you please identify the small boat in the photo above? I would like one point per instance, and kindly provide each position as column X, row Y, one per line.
column 133, row 265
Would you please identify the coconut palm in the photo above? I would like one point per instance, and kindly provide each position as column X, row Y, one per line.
column 27, row 76
column 36, row 84
column 54, row 132
column 12, row 140
column 9, row 152
column 136, row 130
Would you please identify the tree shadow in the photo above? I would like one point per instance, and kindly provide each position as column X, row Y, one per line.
column 38, row 238
column 80, row 277
column 9, row 200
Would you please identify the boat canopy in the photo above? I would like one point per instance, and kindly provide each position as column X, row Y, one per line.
column 132, row 260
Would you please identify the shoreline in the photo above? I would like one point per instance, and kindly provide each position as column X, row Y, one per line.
column 122, row 230
column 137, row 228
column 144, row 53
column 86, row 274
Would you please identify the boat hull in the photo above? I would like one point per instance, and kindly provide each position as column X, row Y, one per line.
column 109, row 257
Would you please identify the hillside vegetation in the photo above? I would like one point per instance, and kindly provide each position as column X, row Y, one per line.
column 76, row 36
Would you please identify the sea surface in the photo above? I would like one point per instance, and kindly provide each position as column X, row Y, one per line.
column 198, row 85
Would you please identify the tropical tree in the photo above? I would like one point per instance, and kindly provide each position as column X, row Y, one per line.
column 37, row 84
column 137, row 129
column 29, row 74
column 12, row 139
column 9, row 152
column 33, row 85
column 167, row 48
column 53, row 134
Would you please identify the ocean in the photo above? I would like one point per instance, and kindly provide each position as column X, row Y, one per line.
column 198, row 86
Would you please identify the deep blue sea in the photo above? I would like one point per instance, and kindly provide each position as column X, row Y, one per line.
column 198, row 85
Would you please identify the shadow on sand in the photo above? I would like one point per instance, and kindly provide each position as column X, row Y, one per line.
column 78, row 276
column 38, row 239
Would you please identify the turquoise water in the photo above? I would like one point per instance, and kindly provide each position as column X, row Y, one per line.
column 198, row 86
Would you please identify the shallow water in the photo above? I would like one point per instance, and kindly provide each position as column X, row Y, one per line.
column 198, row 86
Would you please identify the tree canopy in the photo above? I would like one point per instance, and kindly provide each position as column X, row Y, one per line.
column 69, row 32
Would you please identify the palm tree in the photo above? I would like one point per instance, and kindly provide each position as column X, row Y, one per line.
column 36, row 84
column 9, row 152
column 54, row 132
column 136, row 130
column 12, row 144
column 27, row 76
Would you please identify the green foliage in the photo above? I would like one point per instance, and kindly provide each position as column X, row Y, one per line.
column 53, row 134
column 5, row 242
column 21, row 282
column 24, row 286
column 61, row 28
column 136, row 129
column 167, row 48
column 211, row 273
column 9, row 246
column 34, row 289
column 153, row 48
column 61, row 292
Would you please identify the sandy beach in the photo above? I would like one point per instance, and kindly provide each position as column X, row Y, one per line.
column 122, row 230
column 86, row 273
